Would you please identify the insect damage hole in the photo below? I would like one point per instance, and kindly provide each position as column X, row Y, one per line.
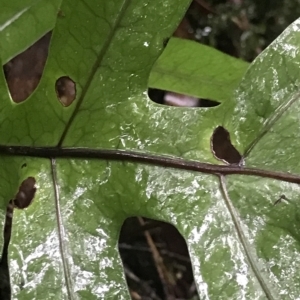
column 223, row 149
column 65, row 89
column 21, row 200
column 25, row 194
column 180, row 100
column 24, row 71
column 156, row 260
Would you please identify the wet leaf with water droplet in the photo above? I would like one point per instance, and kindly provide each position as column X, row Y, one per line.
column 241, row 245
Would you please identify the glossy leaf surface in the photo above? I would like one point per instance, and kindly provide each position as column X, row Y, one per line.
column 64, row 246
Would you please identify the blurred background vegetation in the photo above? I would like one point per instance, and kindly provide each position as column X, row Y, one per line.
column 241, row 28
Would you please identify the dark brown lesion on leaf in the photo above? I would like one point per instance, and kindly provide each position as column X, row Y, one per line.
column 65, row 89
column 223, row 149
column 22, row 199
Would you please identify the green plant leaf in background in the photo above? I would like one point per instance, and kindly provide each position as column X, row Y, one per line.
column 64, row 246
column 24, row 22
column 197, row 70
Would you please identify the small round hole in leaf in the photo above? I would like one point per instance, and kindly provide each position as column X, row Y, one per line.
column 223, row 149
column 65, row 89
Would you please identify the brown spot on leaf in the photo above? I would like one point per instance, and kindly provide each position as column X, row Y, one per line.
column 223, row 149
column 65, row 89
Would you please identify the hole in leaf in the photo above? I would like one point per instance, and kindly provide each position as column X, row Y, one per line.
column 223, row 149
column 21, row 200
column 156, row 260
column 25, row 194
column 23, row 72
column 180, row 100
column 65, row 89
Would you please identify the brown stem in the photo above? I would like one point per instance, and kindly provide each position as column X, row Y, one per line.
column 159, row 160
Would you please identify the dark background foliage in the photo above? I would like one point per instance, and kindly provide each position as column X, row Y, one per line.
column 242, row 28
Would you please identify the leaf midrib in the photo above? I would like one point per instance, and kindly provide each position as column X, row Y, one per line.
column 95, row 67
column 145, row 158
